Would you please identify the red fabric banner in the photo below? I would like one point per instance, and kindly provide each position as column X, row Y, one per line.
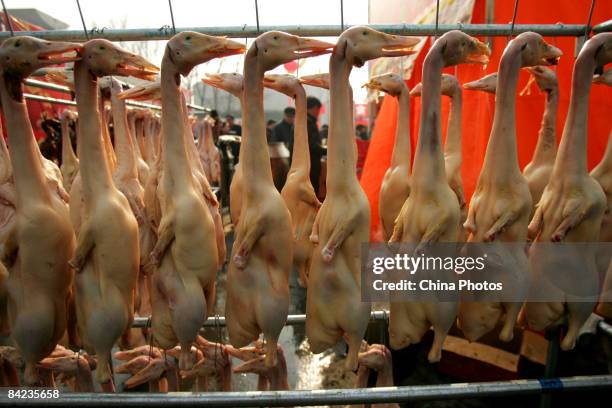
column 478, row 108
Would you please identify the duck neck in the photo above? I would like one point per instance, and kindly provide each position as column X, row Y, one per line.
column 428, row 169
column 254, row 150
column 175, row 159
column 5, row 161
column 190, row 146
column 452, row 146
column 301, row 153
column 340, row 142
column 124, row 149
column 108, row 145
column 68, row 155
column 132, row 134
column 605, row 165
column 501, row 158
column 278, row 381
column 28, row 176
column 94, row 166
column 546, row 148
column 572, row 155
column 401, row 147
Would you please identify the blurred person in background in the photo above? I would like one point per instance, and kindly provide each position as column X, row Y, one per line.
column 217, row 125
column 361, row 139
column 313, row 107
column 270, row 129
column 323, row 132
column 283, row 130
column 232, row 127
column 361, row 131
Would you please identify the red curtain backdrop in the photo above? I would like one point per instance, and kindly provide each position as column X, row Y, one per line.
column 478, row 108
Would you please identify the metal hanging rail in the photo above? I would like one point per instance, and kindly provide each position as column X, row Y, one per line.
column 48, row 99
column 326, row 397
column 603, row 27
column 61, row 88
column 164, row 33
column 292, row 320
column 297, row 319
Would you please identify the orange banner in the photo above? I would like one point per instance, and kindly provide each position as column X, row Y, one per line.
column 478, row 108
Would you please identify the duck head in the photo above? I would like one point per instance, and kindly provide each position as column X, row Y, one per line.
column 389, row 83
column 457, row 47
column 149, row 91
column 285, row 84
column 534, row 50
column 21, row 56
column 275, row 48
column 360, row 44
column 188, row 49
column 231, row 82
column 449, row 86
column 486, row 84
column 545, row 78
column 318, row 80
column 105, row 58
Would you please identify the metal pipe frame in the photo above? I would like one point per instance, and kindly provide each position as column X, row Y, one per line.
column 61, row 88
column 49, row 99
column 292, row 320
column 603, row 27
column 327, row 397
column 164, row 33
column 297, row 319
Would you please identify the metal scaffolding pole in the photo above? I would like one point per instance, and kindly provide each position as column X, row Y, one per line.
column 296, row 319
column 326, row 397
column 61, row 88
column 603, row 27
column 164, row 33
column 292, row 320
column 49, row 99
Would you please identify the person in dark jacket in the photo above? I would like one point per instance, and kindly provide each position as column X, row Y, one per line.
column 313, row 108
column 232, row 127
column 283, row 130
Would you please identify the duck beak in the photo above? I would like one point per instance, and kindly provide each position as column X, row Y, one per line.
column 315, row 81
column 372, row 84
column 483, row 84
column 138, row 67
column 551, row 55
column 226, row 48
column 481, row 53
column 57, row 52
column 147, row 91
column 268, row 81
column 416, row 91
column 398, row 45
column 308, row 47
column 213, row 80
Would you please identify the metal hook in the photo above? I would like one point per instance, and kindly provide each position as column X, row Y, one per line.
column 82, row 20
column 437, row 17
column 342, row 15
column 9, row 23
column 257, row 15
column 172, row 16
column 516, row 2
